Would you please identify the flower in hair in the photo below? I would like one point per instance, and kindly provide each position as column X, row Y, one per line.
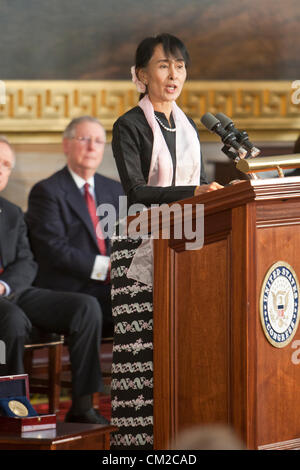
column 140, row 86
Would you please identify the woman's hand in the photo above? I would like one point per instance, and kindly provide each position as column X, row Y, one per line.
column 206, row 188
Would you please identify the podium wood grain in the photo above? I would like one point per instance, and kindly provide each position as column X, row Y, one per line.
column 212, row 361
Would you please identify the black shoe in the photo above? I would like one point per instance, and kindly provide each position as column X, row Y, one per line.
column 90, row 416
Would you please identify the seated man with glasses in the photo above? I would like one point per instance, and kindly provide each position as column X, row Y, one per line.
column 22, row 306
column 69, row 244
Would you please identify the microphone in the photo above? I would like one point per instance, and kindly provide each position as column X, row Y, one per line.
column 241, row 136
column 228, row 137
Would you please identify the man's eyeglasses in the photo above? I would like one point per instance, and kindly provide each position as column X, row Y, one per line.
column 89, row 140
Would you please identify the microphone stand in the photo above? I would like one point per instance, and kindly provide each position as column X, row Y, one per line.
column 233, row 155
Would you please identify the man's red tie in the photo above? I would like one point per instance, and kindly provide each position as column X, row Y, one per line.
column 1, row 266
column 92, row 210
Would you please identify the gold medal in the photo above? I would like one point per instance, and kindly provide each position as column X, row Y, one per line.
column 18, row 408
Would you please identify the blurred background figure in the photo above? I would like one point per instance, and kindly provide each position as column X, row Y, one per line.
column 208, row 437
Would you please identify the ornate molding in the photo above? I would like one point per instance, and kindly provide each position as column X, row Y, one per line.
column 38, row 111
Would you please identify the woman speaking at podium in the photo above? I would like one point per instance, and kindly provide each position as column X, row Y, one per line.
column 158, row 156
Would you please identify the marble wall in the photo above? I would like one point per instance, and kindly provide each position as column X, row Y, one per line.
column 35, row 162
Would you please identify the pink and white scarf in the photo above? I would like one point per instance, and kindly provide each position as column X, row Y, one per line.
column 188, row 169
column 188, row 165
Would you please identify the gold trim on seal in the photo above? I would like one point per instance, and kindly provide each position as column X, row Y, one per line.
column 281, row 344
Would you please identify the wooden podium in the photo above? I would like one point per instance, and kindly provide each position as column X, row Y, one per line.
column 212, row 360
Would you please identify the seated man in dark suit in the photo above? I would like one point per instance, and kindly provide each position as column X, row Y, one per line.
column 61, row 219
column 76, row 315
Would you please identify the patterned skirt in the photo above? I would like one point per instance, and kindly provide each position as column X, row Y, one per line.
column 132, row 368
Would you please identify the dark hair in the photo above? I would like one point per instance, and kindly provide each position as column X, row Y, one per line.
column 172, row 46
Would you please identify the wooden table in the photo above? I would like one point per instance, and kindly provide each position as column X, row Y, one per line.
column 66, row 436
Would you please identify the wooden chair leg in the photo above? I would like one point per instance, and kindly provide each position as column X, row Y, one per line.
column 54, row 377
column 96, row 398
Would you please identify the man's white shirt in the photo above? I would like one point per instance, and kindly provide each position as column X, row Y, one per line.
column 101, row 264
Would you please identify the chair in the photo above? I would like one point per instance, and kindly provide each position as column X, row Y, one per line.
column 44, row 377
column 48, row 375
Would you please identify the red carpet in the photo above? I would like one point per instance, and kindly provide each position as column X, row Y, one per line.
column 104, row 408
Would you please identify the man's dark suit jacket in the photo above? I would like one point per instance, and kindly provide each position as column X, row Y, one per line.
column 16, row 257
column 47, row 310
column 61, row 232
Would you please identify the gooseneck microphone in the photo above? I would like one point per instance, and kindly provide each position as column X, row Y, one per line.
column 227, row 136
column 241, row 136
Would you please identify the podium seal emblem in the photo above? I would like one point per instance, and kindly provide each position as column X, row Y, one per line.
column 279, row 304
